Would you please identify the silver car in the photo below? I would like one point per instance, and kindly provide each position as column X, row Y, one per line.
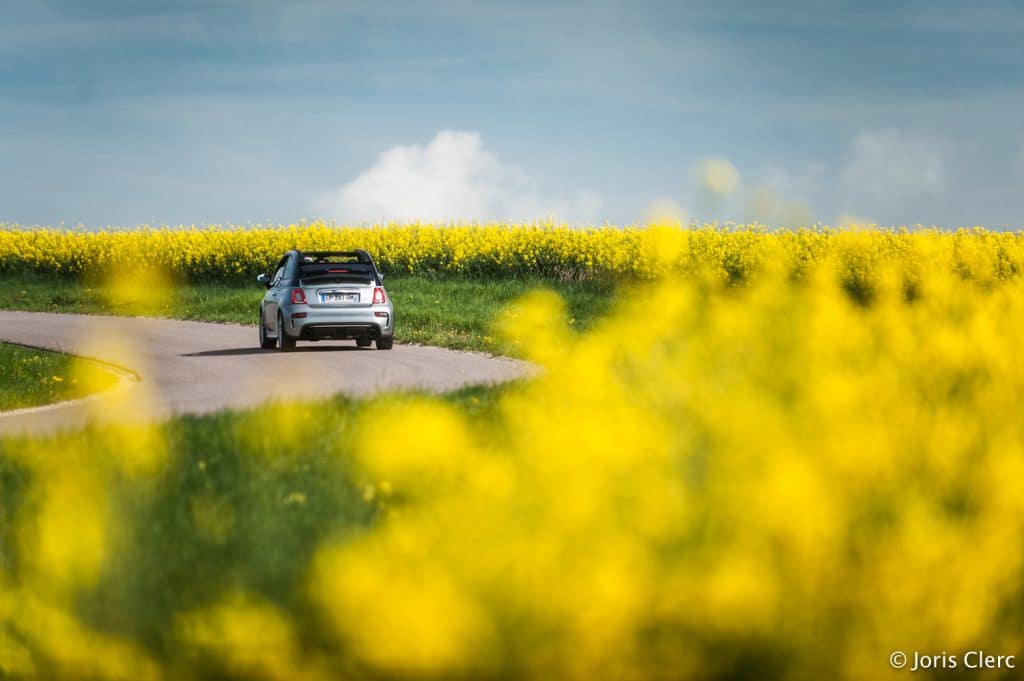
column 323, row 295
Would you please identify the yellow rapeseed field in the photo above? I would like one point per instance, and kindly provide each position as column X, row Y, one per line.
column 784, row 456
column 236, row 254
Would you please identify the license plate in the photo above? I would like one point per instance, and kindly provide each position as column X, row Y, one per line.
column 338, row 297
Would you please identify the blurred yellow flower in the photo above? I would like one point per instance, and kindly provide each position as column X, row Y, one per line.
column 782, row 454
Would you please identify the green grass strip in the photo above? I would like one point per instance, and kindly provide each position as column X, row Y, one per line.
column 447, row 311
column 30, row 377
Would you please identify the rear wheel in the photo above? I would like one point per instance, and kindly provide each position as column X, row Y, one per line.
column 284, row 341
column 265, row 343
column 363, row 341
column 385, row 342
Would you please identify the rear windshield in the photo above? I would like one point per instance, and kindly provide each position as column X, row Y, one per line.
column 334, row 268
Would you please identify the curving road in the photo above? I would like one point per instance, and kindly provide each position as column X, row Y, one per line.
column 175, row 367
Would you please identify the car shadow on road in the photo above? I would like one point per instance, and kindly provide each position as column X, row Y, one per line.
column 235, row 352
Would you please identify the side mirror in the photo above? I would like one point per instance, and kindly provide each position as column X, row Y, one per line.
column 380, row 275
column 264, row 279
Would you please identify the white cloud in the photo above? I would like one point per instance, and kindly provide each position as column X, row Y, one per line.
column 885, row 168
column 453, row 178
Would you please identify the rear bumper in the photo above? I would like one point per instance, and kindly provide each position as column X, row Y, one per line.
column 340, row 331
column 340, row 324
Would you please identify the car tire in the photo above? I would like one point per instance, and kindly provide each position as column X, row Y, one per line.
column 364, row 342
column 385, row 342
column 265, row 342
column 285, row 342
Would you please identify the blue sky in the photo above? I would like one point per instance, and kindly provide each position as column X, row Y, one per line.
column 198, row 111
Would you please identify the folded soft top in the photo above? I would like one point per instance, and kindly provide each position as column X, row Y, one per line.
column 337, row 266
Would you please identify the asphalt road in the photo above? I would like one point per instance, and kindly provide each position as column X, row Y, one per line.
column 175, row 367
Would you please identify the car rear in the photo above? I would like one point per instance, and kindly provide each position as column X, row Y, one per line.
column 338, row 296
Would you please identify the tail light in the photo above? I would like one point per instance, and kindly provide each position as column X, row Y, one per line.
column 378, row 296
column 298, row 296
